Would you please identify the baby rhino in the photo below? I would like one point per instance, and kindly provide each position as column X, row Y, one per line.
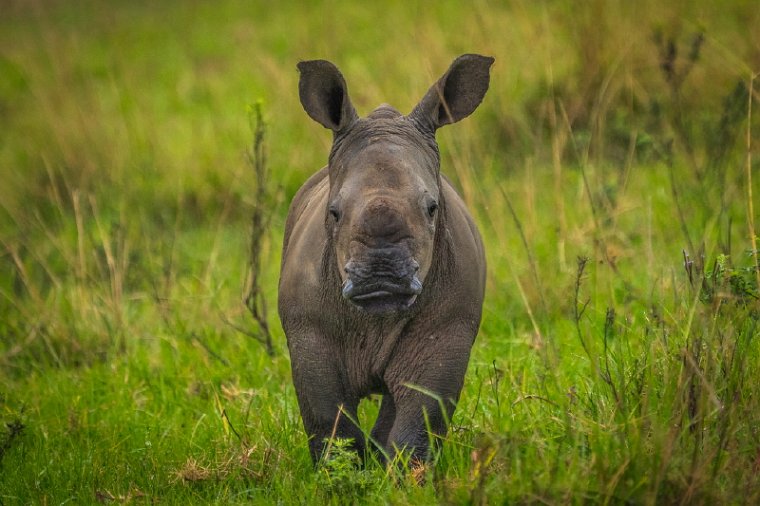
column 383, row 271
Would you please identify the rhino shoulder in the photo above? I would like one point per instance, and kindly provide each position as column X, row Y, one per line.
column 460, row 219
column 469, row 262
column 303, row 201
column 304, row 244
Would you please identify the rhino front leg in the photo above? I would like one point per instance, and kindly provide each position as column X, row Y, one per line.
column 425, row 382
column 420, row 417
column 326, row 407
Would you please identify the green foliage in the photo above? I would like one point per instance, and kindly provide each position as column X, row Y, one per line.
column 621, row 133
column 341, row 473
column 734, row 284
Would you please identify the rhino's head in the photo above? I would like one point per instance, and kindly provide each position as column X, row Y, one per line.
column 385, row 204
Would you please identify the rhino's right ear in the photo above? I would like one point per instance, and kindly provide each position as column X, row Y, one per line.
column 324, row 95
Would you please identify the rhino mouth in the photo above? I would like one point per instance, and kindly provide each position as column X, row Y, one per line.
column 382, row 296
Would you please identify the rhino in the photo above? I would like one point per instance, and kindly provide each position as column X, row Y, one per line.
column 383, row 270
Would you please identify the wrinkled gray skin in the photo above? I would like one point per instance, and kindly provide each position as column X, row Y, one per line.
column 383, row 270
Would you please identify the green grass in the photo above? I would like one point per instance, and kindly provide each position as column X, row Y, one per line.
column 616, row 138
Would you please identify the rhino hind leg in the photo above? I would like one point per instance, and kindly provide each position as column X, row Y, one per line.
column 340, row 426
column 383, row 425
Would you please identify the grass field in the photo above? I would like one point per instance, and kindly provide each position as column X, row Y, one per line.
column 612, row 168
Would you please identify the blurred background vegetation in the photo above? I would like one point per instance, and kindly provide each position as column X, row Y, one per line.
column 612, row 168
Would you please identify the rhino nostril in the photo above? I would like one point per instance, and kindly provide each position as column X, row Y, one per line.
column 348, row 286
column 416, row 284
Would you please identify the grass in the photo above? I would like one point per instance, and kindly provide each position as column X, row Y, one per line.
column 611, row 168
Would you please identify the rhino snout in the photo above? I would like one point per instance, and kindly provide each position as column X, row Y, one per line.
column 380, row 285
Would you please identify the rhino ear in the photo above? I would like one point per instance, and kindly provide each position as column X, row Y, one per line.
column 456, row 95
column 324, row 95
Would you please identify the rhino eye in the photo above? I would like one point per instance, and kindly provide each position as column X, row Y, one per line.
column 432, row 208
column 333, row 210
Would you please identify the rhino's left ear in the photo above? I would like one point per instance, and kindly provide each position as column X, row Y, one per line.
column 324, row 95
column 456, row 95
